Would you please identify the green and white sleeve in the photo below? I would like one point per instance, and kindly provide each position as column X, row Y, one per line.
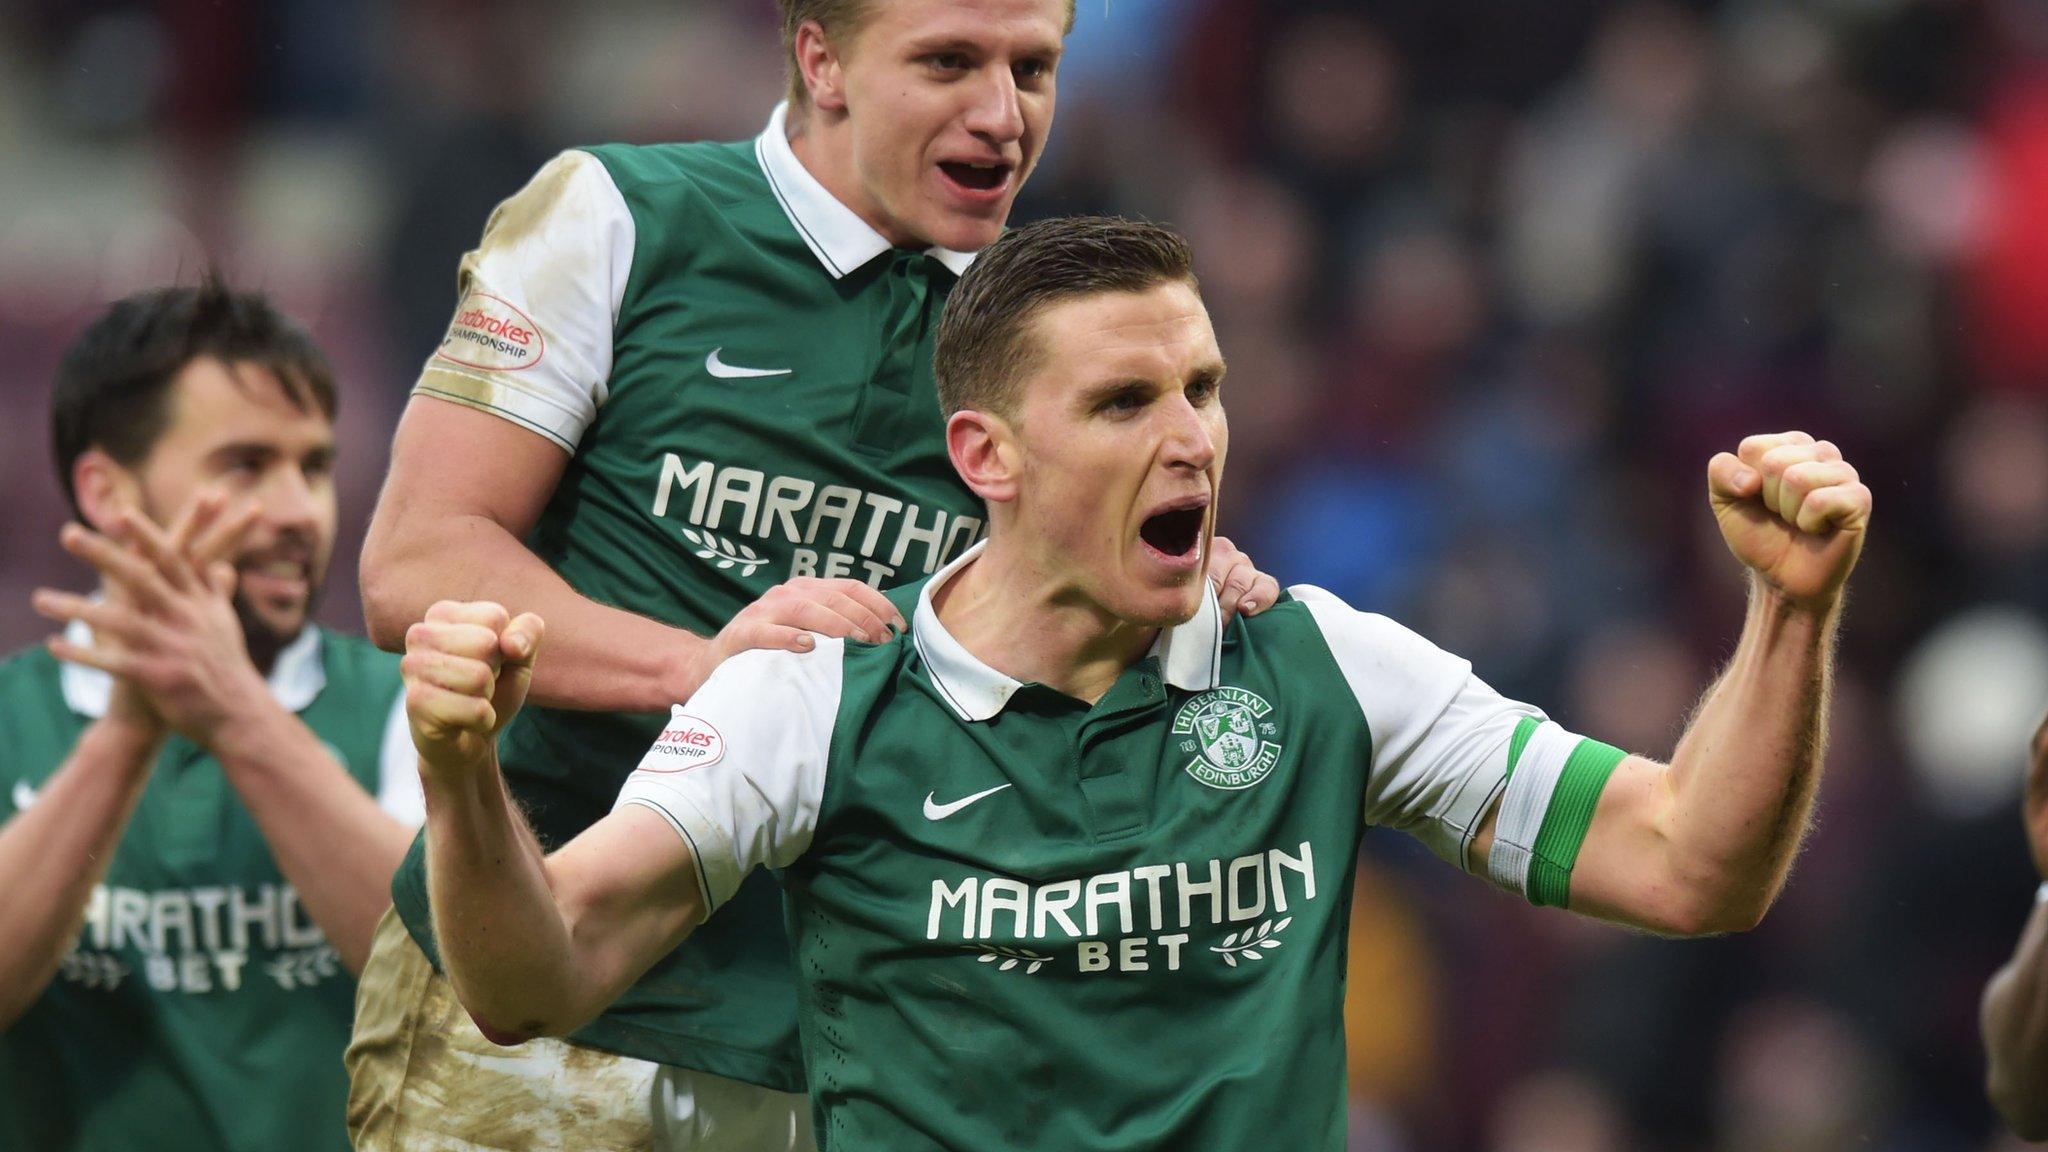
column 1554, row 782
column 1445, row 747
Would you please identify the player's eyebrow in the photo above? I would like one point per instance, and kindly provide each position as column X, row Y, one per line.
column 1117, row 385
column 323, row 452
column 944, row 42
column 243, row 448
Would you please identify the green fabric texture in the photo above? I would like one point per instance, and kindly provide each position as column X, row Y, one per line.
column 934, row 1019
column 201, row 1009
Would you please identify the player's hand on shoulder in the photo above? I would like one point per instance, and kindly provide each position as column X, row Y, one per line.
column 166, row 627
column 1792, row 510
column 1240, row 586
column 467, row 667
column 791, row 615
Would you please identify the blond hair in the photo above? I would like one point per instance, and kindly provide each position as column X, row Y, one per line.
column 842, row 21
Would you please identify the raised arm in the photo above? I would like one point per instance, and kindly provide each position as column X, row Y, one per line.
column 2015, row 1012
column 535, row 945
column 1705, row 843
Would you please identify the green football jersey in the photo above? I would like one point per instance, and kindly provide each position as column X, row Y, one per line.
column 201, row 1008
column 1022, row 921
column 740, row 369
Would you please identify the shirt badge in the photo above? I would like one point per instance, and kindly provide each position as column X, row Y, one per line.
column 1227, row 738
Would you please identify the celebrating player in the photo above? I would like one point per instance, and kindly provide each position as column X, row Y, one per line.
column 2015, row 1015
column 686, row 408
column 205, row 795
column 1067, row 865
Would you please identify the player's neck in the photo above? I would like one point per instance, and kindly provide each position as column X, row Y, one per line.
column 1017, row 618
column 823, row 144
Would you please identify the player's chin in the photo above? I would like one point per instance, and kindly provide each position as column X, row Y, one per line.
column 966, row 228
column 1164, row 601
column 268, row 619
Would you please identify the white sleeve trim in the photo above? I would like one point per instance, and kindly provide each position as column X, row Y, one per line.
column 740, row 773
column 532, row 336
column 1526, row 802
column 399, row 791
column 710, row 846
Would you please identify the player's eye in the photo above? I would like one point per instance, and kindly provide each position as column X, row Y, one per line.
column 1122, row 401
column 1033, row 69
column 948, row 61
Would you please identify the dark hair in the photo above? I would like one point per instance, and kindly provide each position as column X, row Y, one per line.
column 984, row 348
column 114, row 384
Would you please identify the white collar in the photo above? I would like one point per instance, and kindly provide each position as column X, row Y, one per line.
column 840, row 239
column 1190, row 654
column 295, row 679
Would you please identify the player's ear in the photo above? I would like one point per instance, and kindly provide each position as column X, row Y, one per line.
column 818, row 61
column 982, row 446
column 104, row 487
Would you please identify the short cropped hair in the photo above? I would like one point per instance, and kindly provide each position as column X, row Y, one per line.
column 113, row 387
column 984, row 349
column 842, row 21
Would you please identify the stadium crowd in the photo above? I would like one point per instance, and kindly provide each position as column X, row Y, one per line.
column 1493, row 278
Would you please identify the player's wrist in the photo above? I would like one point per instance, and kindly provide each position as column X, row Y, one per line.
column 130, row 731
column 1775, row 601
column 688, row 667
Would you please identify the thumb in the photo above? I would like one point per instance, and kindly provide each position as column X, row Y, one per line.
column 518, row 647
column 1729, row 479
column 220, row 576
column 519, row 643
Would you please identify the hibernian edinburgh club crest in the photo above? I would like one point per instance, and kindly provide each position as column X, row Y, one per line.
column 1227, row 736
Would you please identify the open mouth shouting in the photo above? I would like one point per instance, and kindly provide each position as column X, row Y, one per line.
column 978, row 181
column 1172, row 535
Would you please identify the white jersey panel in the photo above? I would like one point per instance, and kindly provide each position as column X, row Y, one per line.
column 1439, row 734
column 740, row 772
column 532, row 336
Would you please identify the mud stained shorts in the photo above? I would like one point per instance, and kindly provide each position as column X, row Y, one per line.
column 423, row 1079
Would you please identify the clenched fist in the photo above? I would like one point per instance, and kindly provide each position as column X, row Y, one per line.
column 1793, row 511
column 466, row 669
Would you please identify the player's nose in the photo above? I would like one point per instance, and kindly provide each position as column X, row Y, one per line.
column 1192, row 436
column 994, row 113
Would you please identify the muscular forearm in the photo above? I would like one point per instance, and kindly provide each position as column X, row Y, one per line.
column 53, row 853
column 503, row 939
column 1743, row 777
column 599, row 658
column 331, row 840
column 2015, row 1020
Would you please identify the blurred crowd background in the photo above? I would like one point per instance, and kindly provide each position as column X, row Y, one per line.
column 1495, row 278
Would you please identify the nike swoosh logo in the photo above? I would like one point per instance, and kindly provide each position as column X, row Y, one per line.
column 23, row 795
column 936, row 811
column 724, row 371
